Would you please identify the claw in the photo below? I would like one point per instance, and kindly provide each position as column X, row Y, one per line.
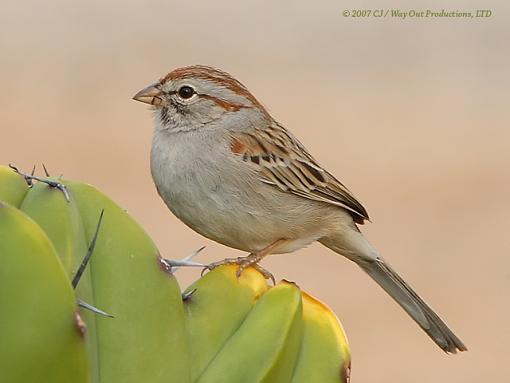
column 30, row 177
column 265, row 273
column 243, row 263
column 226, row 261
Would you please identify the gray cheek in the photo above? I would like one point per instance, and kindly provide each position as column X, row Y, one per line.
column 205, row 111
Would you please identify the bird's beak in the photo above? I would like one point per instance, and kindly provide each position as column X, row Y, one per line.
column 150, row 95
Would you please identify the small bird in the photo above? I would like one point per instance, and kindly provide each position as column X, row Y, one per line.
column 232, row 173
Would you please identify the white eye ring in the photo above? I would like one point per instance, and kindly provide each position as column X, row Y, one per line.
column 186, row 92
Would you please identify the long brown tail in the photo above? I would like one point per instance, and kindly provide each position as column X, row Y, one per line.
column 405, row 296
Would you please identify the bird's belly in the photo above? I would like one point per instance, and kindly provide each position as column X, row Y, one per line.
column 249, row 225
column 233, row 208
column 218, row 213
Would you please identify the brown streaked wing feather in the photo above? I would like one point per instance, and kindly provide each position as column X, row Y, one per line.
column 285, row 163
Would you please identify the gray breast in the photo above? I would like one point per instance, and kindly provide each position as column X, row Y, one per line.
column 220, row 197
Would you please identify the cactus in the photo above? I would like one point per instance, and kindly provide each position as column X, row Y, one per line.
column 41, row 333
column 221, row 329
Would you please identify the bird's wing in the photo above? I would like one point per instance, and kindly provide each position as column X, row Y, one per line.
column 282, row 161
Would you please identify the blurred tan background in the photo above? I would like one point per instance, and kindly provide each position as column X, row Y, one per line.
column 412, row 115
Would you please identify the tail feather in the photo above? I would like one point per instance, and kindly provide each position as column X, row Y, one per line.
column 405, row 296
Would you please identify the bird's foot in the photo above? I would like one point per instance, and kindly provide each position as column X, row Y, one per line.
column 265, row 273
column 243, row 263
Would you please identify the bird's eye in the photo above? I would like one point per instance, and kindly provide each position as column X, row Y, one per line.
column 186, row 92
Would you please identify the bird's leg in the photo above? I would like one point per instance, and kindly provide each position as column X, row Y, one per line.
column 251, row 260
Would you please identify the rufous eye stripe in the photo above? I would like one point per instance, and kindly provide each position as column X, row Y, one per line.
column 216, row 76
column 228, row 106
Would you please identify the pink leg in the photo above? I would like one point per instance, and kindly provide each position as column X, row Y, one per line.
column 251, row 260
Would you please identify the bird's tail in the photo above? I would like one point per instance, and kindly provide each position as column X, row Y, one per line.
column 411, row 302
column 354, row 246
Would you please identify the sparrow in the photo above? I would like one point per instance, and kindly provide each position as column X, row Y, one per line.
column 232, row 173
